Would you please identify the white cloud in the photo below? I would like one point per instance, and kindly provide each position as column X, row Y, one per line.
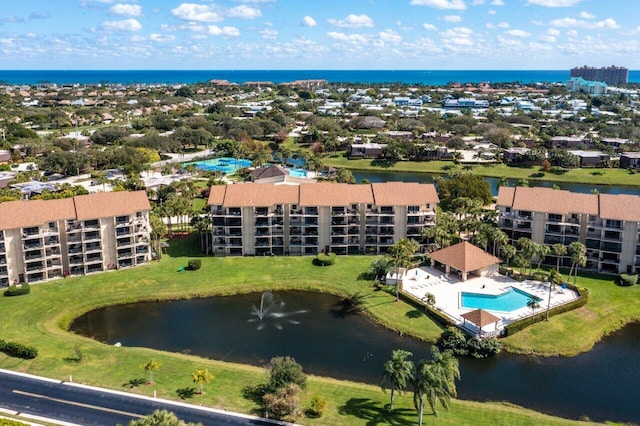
column 244, row 12
column 518, row 33
column 441, row 4
column 587, row 15
column 126, row 9
column 548, row 38
column 503, row 25
column 572, row 33
column 269, row 34
column 491, row 12
column 429, row 27
column 577, row 23
column 161, row 38
column 224, row 31
column 390, row 35
column 124, row 25
column 460, row 36
column 477, row 2
column 308, row 21
column 555, row 3
column 353, row 21
column 197, row 13
column 352, row 38
column 497, row 2
column 452, row 18
column 553, row 32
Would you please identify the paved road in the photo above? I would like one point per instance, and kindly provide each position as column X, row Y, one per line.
column 88, row 406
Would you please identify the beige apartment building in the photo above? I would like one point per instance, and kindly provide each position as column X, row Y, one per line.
column 41, row 240
column 608, row 225
column 267, row 219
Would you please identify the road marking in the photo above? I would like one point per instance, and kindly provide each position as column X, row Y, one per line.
column 78, row 404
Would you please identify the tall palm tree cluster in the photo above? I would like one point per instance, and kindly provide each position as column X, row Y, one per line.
column 432, row 380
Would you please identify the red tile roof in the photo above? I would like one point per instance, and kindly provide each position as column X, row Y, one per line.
column 464, row 257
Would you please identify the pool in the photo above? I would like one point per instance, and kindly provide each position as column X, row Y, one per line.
column 226, row 165
column 508, row 301
column 297, row 173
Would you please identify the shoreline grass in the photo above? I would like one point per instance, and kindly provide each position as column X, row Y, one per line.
column 620, row 177
column 42, row 318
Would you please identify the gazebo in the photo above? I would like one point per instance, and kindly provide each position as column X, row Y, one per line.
column 465, row 258
column 480, row 318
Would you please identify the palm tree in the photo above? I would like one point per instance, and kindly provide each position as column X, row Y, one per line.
column 398, row 371
column 508, row 252
column 401, row 254
column 542, row 251
column 429, row 299
column 158, row 229
column 151, row 366
column 527, row 249
column 554, row 278
column 533, row 305
column 558, row 250
column 578, row 253
column 435, row 381
column 201, row 377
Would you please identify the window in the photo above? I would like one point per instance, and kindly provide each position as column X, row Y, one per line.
column 52, row 225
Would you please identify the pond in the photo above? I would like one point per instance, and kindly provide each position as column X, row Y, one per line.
column 328, row 339
column 386, row 176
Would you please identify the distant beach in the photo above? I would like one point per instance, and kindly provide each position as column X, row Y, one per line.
column 431, row 78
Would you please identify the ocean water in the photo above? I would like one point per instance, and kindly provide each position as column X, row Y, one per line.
column 426, row 77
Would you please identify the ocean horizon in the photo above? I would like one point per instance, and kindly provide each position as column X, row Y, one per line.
column 422, row 77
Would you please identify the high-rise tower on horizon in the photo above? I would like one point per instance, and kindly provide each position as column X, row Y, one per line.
column 611, row 75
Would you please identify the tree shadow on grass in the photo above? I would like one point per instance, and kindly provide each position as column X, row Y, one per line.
column 134, row 383
column 186, row 393
column 254, row 393
column 416, row 313
column 376, row 414
column 385, row 163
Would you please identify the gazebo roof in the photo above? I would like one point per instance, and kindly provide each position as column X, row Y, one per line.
column 464, row 257
column 480, row 317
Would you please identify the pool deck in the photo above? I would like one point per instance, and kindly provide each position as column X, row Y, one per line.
column 447, row 291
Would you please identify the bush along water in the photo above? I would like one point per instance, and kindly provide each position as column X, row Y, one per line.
column 17, row 290
column 462, row 344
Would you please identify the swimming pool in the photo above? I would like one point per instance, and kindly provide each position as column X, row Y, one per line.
column 297, row 173
column 226, row 165
column 508, row 301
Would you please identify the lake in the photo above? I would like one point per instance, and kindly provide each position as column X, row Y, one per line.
column 328, row 340
column 387, row 176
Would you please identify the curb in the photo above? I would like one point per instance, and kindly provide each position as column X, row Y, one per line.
column 147, row 398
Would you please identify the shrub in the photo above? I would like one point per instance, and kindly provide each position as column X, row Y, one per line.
column 627, row 280
column 194, row 264
column 284, row 403
column 316, row 407
column 17, row 290
column 283, row 371
column 323, row 259
column 18, row 350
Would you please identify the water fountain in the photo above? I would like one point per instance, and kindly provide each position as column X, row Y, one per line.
column 272, row 307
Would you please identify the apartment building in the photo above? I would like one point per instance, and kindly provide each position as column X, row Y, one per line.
column 42, row 240
column 608, row 225
column 260, row 220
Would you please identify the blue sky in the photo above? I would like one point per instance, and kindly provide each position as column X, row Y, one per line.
column 319, row 34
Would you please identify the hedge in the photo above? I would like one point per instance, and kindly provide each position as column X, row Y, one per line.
column 325, row 259
column 18, row 350
column 431, row 312
column 514, row 327
column 627, row 280
column 194, row 264
column 15, row 290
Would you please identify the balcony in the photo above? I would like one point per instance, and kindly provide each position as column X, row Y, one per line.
column 37, row 266
column 261, row 211
column 76, row 260
column 612, row 247
column 311, row 211
column 52, row 241
column 2, row 248
column 92, row 247
column 93, row 258
column 94, row 268
column 142, row 250
column 387, row 210
column 95, row 224
column 32, row 244
column 91, row 236
column 262, row 221
column 123, row 231
column 3, row 260
column 30, row 232
column 124, row 242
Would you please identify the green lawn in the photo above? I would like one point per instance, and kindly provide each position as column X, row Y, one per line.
column 587, row 176
column 41, row 319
